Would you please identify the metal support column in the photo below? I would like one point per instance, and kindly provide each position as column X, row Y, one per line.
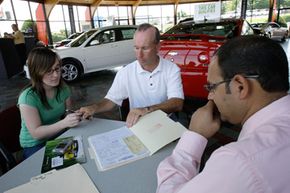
column 244, row 9
column 71, row 19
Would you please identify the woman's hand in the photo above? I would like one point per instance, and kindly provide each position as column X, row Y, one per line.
column 72, row 119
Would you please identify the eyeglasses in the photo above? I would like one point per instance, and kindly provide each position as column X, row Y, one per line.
column 210, row 87
column 52, row 70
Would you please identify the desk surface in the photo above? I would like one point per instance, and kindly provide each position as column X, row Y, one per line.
column 135, row 177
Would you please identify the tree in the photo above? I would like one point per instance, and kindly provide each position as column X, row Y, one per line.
column 259, row 4
column 284, row 3
column 28, row 26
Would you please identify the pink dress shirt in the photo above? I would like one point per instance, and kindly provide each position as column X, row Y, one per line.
column 259, row 162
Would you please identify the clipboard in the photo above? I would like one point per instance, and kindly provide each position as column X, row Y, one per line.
column 73, row 179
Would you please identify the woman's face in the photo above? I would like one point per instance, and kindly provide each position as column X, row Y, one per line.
column 52, row 77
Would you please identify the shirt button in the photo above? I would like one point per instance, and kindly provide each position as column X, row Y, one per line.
column 150, row 76
column 151, row 84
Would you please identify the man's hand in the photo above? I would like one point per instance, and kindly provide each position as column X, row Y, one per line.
column 87, row 112
column 206, row 120
column 134, row 116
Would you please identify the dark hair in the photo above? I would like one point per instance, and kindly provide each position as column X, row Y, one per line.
column 146, row 26
column 40, row 61
column 255, row 55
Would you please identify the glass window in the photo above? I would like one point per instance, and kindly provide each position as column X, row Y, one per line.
column 231, row 9
column 225, row 29
column 21, row 11
column 124, row 16
column 155, row 15
column 81, row 22
column 161, row 16
column 184, row 11
column 59, row 23
column 33, row 7
column 284, row 18
column 100, row 17
column 257, row 11
column 105, row 37
column 102, row 37
column 113, row 11
column 141, row 15
column 167, row 17
column 6, row 17
column 124, row 12
column 127, row 33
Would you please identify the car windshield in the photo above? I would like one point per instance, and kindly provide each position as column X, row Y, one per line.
column 82, row 38
column 224, row 29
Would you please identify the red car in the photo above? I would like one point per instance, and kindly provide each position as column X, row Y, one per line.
column 191, row 45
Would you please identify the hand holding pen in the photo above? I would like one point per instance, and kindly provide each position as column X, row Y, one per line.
column 72, row 117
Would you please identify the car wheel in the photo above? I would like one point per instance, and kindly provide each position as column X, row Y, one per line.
column 284, row 37
column 70, row 70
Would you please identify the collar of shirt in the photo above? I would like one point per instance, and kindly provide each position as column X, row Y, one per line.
column 157, row 69
column 263, row 115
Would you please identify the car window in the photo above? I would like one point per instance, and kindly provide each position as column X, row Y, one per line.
column 82, row 38
column 275, row 25
column 107, row 37
column 103, row 37
column 127, row 33
column 74, row 35
column 212, row 29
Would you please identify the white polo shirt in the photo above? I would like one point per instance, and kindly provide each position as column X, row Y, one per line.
column 145, row 88
column 18, row 38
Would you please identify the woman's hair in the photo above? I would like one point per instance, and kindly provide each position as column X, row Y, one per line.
column 255, row 55
column 40, row 61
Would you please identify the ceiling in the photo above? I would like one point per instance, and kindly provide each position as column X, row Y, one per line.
column 119, row 2
column 49, row 4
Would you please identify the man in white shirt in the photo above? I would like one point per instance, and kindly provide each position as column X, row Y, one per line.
column 150, row 82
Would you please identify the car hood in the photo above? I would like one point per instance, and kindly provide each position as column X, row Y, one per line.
column 188, row 53
column 62, row 48
column 64, row 52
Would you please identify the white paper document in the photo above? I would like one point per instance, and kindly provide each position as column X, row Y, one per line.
column 124, row 145
column 73, row 179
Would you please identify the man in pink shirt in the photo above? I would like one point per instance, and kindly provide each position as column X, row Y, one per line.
column 247, row 84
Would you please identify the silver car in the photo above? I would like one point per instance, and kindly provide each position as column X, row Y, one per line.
column 274, row 31
column 97, row 49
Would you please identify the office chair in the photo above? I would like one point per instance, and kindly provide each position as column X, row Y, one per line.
column 9, row 139
column 124, row 109
column 7, row 160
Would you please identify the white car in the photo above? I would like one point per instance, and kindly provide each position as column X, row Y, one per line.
column 97, row 49
column 274, row 31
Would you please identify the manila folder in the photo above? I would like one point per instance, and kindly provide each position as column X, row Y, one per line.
column 156, row 130
column 73, row 179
